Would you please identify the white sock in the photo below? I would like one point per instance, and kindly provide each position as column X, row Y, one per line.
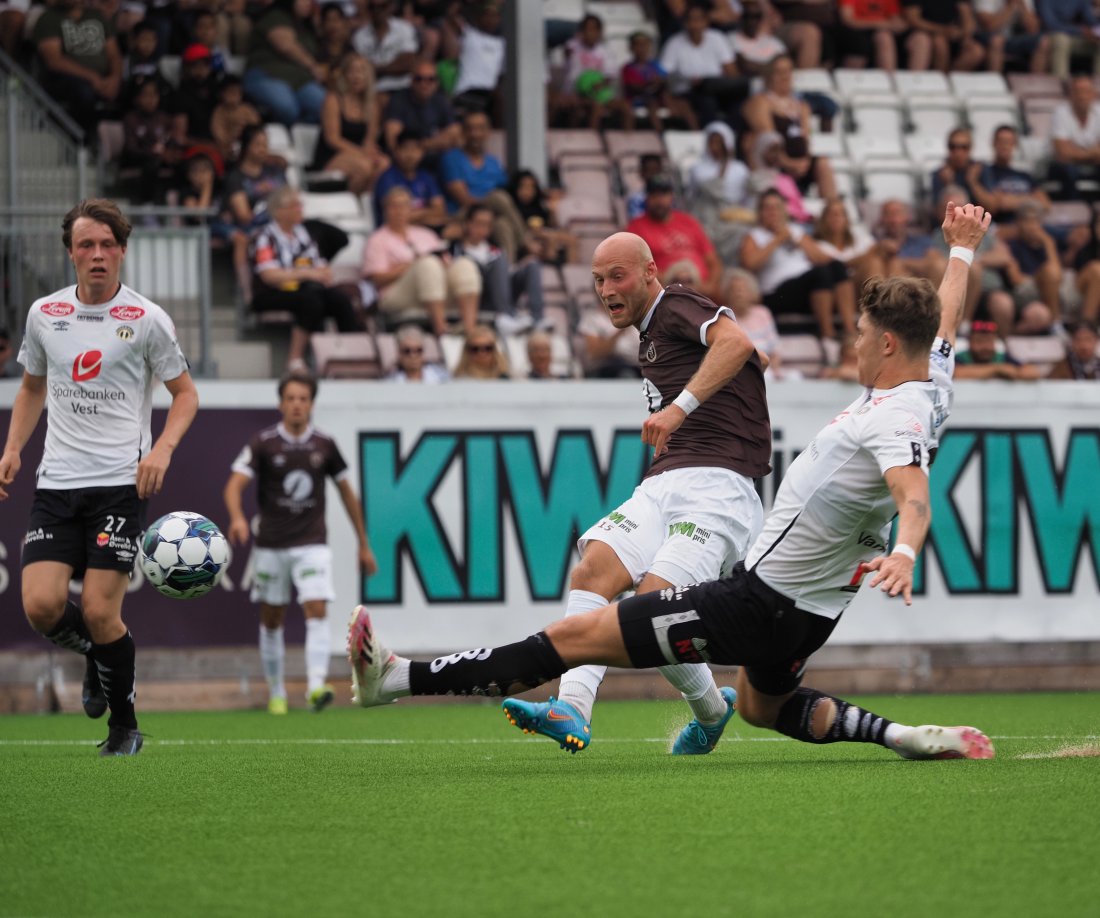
column 395, row 684
column 318, row 652
column 697, row 685
column 272, row 652
column 580, row 684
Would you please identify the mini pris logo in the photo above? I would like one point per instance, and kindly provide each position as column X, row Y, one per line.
column 87, row 366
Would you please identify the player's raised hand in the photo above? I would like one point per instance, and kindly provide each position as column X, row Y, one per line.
column 893, row 575
column 660, row 426
column 965, row 225
column 9, row 468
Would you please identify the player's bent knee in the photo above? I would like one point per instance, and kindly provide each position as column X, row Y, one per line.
column 43, row 611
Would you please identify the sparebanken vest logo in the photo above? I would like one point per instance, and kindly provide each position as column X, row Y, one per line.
column 87, row 366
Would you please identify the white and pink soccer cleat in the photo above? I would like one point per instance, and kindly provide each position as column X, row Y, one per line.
column 932, row 742
column 370, row 661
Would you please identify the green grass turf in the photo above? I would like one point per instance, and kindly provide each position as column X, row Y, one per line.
column 463, row 815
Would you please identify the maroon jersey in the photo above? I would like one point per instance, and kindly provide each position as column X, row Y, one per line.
column 731, row 429
column 290, row 479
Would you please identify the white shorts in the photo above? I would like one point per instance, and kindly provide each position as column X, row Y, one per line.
column 684, row 525
column 309, row 567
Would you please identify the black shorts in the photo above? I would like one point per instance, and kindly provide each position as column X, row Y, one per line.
column 85, row 528
column 738, row 620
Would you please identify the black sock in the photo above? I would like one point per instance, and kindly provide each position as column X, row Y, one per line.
column 495, row 672
column 115, row 662
column 72, row 632
column 852, row 724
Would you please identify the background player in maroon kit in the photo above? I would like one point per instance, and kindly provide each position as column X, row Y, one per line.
column 290, row 462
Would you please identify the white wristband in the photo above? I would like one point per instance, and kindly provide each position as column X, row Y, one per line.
column 962, row 254
column 686, row 402
column 902, row 549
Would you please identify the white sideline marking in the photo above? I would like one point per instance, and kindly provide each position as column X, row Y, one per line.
column 471, row 741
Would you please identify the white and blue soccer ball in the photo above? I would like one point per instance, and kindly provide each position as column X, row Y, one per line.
column 183, row 554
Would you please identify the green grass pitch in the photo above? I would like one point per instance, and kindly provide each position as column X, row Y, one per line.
column 446, row 810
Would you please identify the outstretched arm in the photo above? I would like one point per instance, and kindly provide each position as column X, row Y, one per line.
column 964, row 228
column 894, row 572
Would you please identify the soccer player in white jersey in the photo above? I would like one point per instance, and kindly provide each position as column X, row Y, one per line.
column 828, row 530
column 90, row 354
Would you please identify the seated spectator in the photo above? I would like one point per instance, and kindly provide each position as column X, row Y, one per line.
column 481, row 63
column 1011, row 29
column 588, row 93
column 540, row 357
column 291, row 275
column 482, row 357
column 405, row 264
column 143, row 59
column 471, row 175
column 349, row 126
column 234, row 25
column 333, row 35
column 13, row 20
column 231, row 116
column 719, row 192
column 424, row 109
column 905, row 250
column 605, row 351
column 411, row 365
column 1086, row 264
column 196, row 98
column 650, row 165
column 545, row 240
column 428, row 207
column 673, row 235
column 645, row 86
column 502, row 285
column 8, row 367
column 80, row 58
column 766, row 158
column 1075, row 133
column 999, row 187
column 149, row 145
column 950, row 27
column 984, row 359
column 195, row 190
column 1070, row 24
column 251, row 182
column 1081, row 360
column 958, row 168
column 869, row 33
column 283, row 75
column 389, row 43
column 701, row 69
column 743, row 297
column 1033, row 271
column 779, row 109
column 852, row 245
column 806, row 28
column 754, row 45
column 794, row 273
column 204, row 29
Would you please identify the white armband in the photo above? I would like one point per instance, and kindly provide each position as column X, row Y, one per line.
column 962, row 254
column 686, row 402
column 902, row 549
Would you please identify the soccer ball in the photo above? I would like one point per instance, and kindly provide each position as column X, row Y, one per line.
column 183, row 554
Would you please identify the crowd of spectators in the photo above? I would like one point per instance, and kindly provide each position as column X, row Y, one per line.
column 405, row 97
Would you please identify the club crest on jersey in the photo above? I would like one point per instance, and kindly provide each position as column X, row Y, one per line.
column 87, row 366
column 125, row 333
column 127, row 313
column 316, row 460
column 651, row 352
column 58, row 309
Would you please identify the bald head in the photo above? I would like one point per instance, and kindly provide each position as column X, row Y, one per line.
column 622, row 248
column 625, row 278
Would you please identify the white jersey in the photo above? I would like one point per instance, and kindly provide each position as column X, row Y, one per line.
column 833, row 510
column 99, row 363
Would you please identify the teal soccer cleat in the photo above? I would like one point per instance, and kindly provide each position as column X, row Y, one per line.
column 558, row 720
column 699, row 739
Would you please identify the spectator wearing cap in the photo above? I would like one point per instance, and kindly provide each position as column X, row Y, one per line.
column 424, row 109
column 1081, row 360
column 985, row 358
column 283, row 75
column 674, row 235
column 204, row 30
column 428, row 206
column 80, row 58
column 197, row 97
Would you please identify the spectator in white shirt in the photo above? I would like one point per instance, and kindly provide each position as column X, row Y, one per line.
column 411, row 365
column 389, row 43
column 481, row 63
column 1075, row 132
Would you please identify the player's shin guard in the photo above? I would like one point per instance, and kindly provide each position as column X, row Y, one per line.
column 71, row 632
column 495, row 671
column 850, row 724
column 115, row 662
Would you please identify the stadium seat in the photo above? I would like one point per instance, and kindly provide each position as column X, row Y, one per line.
column 562, row 141
column 887, row 184
column 279, row 142
column 983, row 83
column 578, row 279
column 347, row 266
column 341, row 208
column 303, row 138
column 684, row 148
column 801, row 352
column 863, row 147
column 832, row 145
column 346, row 355
column 588, row 203
column 625, row 143
column 878, row 120
column 913, row 84
column 936, row 122
column 1042, row 350
column 1031, row 85
column 235, row 64
column 450, row 349
column 864, row 83
column 169, row 67
column 815, row 79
